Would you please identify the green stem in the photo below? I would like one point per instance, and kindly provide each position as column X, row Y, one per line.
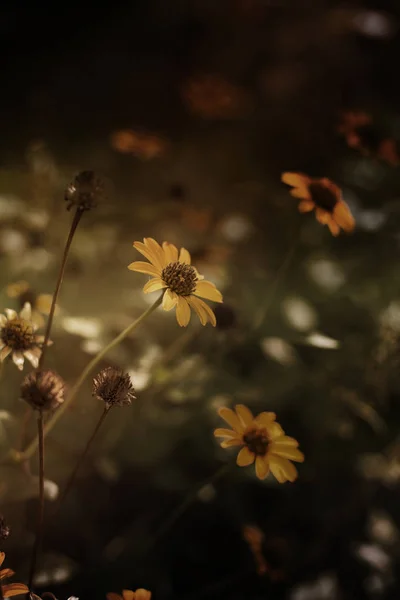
column 39, row 530
column 80, row 460
column 30, row 450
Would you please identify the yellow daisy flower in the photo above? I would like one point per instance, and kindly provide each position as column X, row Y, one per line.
column 325, row 197
column 11, row 589
column 171, row 270
column 140, row 594
column 17, row 337
column 263, row 441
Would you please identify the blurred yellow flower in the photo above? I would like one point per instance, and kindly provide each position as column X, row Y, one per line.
column 172, row 272
column 40, row 303
column 17, row 337
column 263, row 441
column 140, row 594
column 325, row 197
column 11, row 589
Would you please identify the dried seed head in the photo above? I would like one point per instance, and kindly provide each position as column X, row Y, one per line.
column 114, row 387
column 85, row 192
column 43, row 390
column 180, row 278
column 4, row 529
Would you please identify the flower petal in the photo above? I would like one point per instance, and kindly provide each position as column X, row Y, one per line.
column 262, row 467
column 334, row 228
column 11, row 314
column 5, row 573
column 265, row 418
column 43, row 303
column 170, row 299
column 33, row 356
column 343, row 217
column 182, row 312
column 14, row 589
column 2, row 557
column 184, row 256
column 26, row 312
column 142, row 594
column 210, row 315
column 322, row 216
column 170, row 253
column 245, row 457
column 306, row 206
column 284, row 451
column 112, row 596
column 244, row 414
column 233, row 442
column 153, row 285
column 207, row 290
column 147, row 253
column 128, row 595
column 225, row 433
column 5, row 352
column 201, row 313
column 3, row 320
column 282, row 469
column 231, row 418
column 285, row 440
column 144, row 267
column 156, row 250
column 18, row 360
column 299, row 182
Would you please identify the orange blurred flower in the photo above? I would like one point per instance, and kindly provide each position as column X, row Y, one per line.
column 143, row 145
column 351, row 122
column 140, row 594
column 263, row 441
column 325, row 197
column 11, row 589
column 212, row 97
column 255, row 538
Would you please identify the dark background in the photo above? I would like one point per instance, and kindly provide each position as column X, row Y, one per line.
column 74, row 74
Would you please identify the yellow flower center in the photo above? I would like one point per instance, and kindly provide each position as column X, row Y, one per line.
column 17, row 334
column 180, row 278
column 323, row 196
column 256, row 440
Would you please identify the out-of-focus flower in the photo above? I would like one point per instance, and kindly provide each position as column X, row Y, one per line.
column 143, row 145
column 172, row 272
column 43, row 390
column 85, row 192
column 11, row 589
column 140, row 594
column 350, row 124
column 40, row 303
column 17, row 337
column 213, row 97
column 255, row 538
column 113, row 387
column 264, row 442
column 325, row 197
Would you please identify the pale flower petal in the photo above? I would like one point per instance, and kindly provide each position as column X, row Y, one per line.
column 232, row 442
column 5, row 352
column 245, row 457
column 26, row 312
column 33, row 356
column 18, row 360
column 182, row 312
column 153, row 285
column 184, row 256
column 207, row 290
column 3, row 320
column 11, row 314
column 143, row 267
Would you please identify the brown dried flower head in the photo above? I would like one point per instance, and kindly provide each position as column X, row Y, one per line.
column 4, row 528
column 113, row 387
column 18, row 337
column 85, row 192
column 43, row 390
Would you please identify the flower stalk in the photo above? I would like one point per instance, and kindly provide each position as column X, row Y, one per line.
column 39, row 529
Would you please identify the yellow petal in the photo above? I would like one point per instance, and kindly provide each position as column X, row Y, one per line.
column 275, row 430
column 5, row 573
column 182, row 312
column 10, row 313
column 5, row 352
column 245, row 457
column 322, row 216
column 207, row 290
column 343, row 217
column 334, row 227
column 244, row 414
column 225, row 433
column 284, row 451
column 33, row 356
column 306, row 206
column 201, row 313
column 170, row 253
column 262, row 467
column 14, row 589
column 184, row 256
column 43, row 303
column 285, row 440
column 142, row 594
column 282, row 469
column 128, row 595
column 233, row 442
column 298, row 181
column 203, row 306
column 231, row 418
column 2, row 557
column 265, row 418
column 26, row 312
column 112, row 596
column 153, row 285
column 18, row 360
column 170, row 299
column 144, row 267
column 149, row 254
column 156, row 250
column 3, row 320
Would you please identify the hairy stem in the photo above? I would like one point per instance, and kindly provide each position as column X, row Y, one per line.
column 80, row 460
column 74, row 225
column 39, row 530
column 30, row 450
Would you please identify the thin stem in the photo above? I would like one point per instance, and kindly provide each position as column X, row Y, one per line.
column 74, row 225
column 81, row 459
column 30, row 450
column 181, row 508
column 39, row 529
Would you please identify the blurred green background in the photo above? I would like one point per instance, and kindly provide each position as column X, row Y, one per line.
column 190, row 111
